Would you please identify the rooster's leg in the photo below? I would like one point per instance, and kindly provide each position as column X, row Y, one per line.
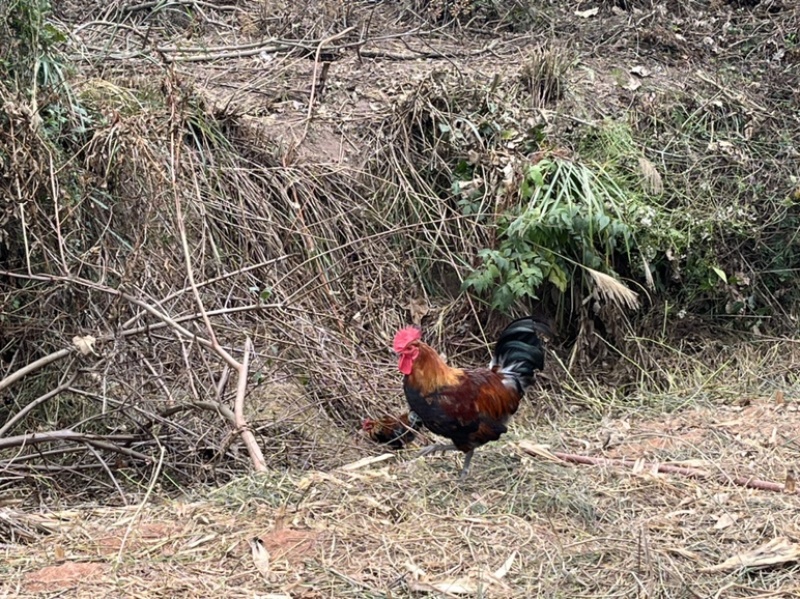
column 434, row 448
column 465, row 468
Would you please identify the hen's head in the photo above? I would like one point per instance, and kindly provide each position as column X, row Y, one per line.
column 406, row 344
column 368, row 425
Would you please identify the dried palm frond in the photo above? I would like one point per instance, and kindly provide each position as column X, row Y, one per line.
column 613, row 290
column 652, row 178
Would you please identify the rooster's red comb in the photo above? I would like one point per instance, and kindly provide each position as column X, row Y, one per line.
column 406, row 336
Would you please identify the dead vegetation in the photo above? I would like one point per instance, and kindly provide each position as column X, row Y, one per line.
column 520, row 527
column 182, row 180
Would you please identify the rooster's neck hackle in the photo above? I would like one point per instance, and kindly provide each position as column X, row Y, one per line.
column 430, row 372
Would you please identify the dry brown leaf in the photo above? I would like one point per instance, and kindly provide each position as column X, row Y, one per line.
column 501, row 572
column 369, row 475
column 419, row 309
column 457, row 586
column 201, row 541
column 648, row 274
column 589, row 12
column 415, row 570
column 508, row 174
column 319, row 477
column 773, row 438
column 84, row 344
column 463, row 585
column 418, row 586
column 366, row 462
column 632, row 85
column 542, row 451
column 778, row 551
column 683, row 552
column 418, row 582
column 736, row 422
column 260, row 557
column 724, row 521
column 790, row 483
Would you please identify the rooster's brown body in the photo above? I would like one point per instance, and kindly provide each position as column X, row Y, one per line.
column 471, row 407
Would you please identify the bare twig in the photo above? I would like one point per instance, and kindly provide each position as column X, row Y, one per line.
column 105, row 467
column 256, row 456
column 211, row 281
column 158, row 3
column 175, row 156
column 34, row 366
column 213, row 406
column 223, row 381
column 320, row 46
column 190, row 317
column 32, row 405
column 102, row 441
column 111, row 291
column 740, row 481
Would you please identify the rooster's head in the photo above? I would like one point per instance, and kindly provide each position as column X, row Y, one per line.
column 406, row 344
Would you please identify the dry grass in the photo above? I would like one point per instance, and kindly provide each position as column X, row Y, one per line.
column 387, row 525
column 397, row 526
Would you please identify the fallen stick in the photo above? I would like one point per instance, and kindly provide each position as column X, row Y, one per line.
column 741, row 481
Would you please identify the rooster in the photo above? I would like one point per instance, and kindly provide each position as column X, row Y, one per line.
column 394, row 431
column 471, row 406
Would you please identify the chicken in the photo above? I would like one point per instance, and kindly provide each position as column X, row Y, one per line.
column 394, row 431
column 470, row 407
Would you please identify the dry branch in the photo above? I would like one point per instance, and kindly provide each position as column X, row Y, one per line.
column 34, row 366
column 36, row 402
column 256, row 456
column 101, row 441
column 260, row 264
column 242, row 368
column 740, row 481
column 212, row 406
column 105, row 289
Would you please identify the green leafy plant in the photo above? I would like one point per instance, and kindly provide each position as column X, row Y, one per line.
column 28, row 42
column 569, row 216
